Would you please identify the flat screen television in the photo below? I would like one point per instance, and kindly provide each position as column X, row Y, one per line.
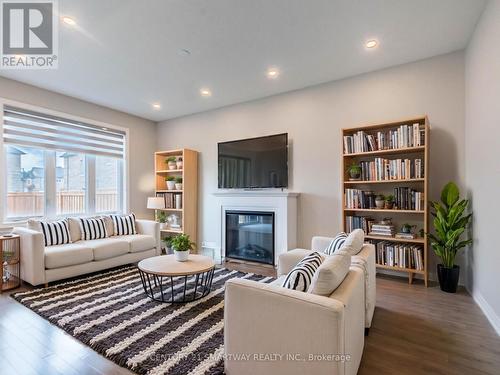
column 254, row 163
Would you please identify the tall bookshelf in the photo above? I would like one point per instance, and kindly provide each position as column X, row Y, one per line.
column 419, row 218
column 188, row 212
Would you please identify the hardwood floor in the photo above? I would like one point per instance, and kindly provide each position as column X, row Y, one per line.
column 415, row 331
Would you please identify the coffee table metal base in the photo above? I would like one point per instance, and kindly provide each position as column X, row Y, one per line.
column 177, row 289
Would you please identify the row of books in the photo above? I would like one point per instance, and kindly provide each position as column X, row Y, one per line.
column 172, row 200
column 402, row 137
column 358, row 222
column 400, row 255
column 385, row 169
column 384, row 230
column 406, row 198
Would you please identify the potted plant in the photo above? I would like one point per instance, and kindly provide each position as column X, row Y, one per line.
column 171, row 162
column 178, row 183
column 450, row 222
column 406, row 228
column 170, row 180
column 168, row 244
column 161, row 216
column 179, row 162
column 380, row 201
column 354, row 171
column 389, row 201
column 181, row 245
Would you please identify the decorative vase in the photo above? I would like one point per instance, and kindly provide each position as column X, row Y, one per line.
column 172, row 165
column 179, row 164
column 448, row 278
column 178, row 186
column 379, row 203
column 170, row 185
column 181, row 256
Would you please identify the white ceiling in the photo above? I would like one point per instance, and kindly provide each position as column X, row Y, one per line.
column 126, row 54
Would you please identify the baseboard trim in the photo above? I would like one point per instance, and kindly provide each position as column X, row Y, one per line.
column 488, row 311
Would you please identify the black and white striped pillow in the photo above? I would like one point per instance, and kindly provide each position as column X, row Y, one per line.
column 93, row 229
column 337, row 242
column 124, row 225
column 300, row 277
column 55, row 232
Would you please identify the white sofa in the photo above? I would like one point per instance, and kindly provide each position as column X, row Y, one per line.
column 41, row 265
column 269, row 329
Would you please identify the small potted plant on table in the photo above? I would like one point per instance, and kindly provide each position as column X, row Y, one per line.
column 181, row 245
column 178, row 183
column 450, row 223
column 170, row 180
column 171, row 162
column 354, row 171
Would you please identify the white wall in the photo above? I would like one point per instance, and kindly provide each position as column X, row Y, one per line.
column 482, row 158
column 313, row 118
column 142, row 135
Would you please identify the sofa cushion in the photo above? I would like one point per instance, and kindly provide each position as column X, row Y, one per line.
column 139, row 242
column 124, row 224
column 300, row 277
column 67, row 255
column 105, row 248
column 354, row 242
column 54, row 232
column 336, row 243
column 331, row 273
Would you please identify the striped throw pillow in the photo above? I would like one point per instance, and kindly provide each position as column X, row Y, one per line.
column 55, row 232
column 93, row 229
column 124, row 225
column 300, row 277
column 337, row 242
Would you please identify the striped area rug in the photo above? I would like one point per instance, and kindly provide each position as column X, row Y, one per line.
column 110, row 313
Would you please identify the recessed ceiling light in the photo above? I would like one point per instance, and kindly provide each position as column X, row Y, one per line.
column 205, row 92
column 156, row 105
column 69, row 21
column 372, row 43
column 273, row 73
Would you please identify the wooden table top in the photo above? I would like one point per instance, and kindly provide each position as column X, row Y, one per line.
column 166, row 265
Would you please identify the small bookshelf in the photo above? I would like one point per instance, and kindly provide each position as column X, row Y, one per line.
column 393, row 161
column 181, row 202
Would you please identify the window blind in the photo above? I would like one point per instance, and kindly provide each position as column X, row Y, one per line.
column 29, row 128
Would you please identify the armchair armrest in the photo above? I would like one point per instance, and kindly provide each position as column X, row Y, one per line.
column 32, row 256
column 150, row 228
column 320, row 243
column 263, row 319
column 288, row 260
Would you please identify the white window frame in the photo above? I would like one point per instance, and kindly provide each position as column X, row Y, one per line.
column 51, row 185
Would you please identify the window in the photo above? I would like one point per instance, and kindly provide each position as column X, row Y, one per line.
column 58, row 167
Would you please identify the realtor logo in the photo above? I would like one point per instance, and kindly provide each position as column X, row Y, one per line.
column 29, row 34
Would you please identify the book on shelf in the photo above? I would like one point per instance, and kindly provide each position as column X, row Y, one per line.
column 401, row 137
column 405, row 198
column 359, row 222
column 406, row 236
column 400, row 255
column 172, row 200
column 381, row 169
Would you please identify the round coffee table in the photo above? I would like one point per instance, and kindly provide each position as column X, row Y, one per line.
column 166, row 280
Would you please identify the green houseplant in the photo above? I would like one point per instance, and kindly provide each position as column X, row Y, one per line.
column 171, row 162
column 354, row 171
column 182, row 244
column 178, row 183
column 168, row 244
column 450, row 222
column 389, row 201
column 161, row 217
column 170, row 180
column 380, row 201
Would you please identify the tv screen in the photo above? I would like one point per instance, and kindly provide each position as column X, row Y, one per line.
column 254, row 163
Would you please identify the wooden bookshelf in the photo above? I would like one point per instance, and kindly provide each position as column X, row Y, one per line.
column 188, row 213
column 419, row 218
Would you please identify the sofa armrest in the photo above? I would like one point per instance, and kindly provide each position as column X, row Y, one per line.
column 288, row 260
column 320, row 244
column 365, row 260
column 150, row 228
column 32, row 256
column 295, row 326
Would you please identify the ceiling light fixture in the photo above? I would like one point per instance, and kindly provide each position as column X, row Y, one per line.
column 205, row 92
column 372, row 43
column 156, row 105
column 273, row 73
column 69, row 21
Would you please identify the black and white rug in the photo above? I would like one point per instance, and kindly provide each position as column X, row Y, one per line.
column 110, row 313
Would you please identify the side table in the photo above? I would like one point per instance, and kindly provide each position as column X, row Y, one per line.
column 10, row 271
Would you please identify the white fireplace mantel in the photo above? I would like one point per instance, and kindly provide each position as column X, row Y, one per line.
column 282, row 203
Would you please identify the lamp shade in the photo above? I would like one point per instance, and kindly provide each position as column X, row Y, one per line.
column 156, row 203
